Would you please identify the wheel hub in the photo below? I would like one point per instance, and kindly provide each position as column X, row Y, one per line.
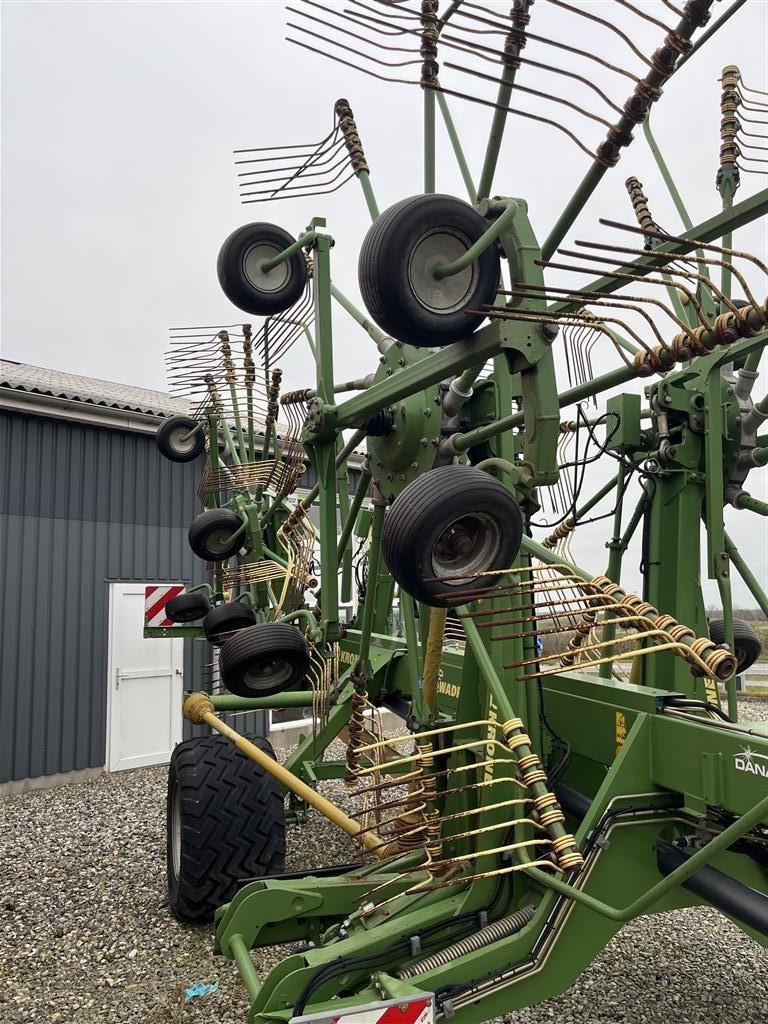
column 432, row 250
column 275, row 673
column 218, row 541
column 469, row 545
column 183, row 440
column 265, row 280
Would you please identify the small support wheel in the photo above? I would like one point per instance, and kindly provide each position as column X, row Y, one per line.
column 212, row 534
column 264, row 659
column 445, row 528
column 246, row 284
column 225, row 824
column 176, row 441
column 746, row 642
column 188, row 607
column 225, row 619
column 395, row 271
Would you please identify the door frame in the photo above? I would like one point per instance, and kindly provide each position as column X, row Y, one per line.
column 112, row 667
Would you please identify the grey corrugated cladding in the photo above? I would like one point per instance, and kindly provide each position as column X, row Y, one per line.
column 80, row 505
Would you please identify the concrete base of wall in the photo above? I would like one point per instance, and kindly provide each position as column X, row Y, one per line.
column 16, row 786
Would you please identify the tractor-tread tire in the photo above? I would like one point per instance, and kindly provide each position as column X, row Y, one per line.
column 746, row 642
column 212, row 521
column 225, row 619
column 232, row 824
column 425, row 508
column 383, row 271
column 264, row 642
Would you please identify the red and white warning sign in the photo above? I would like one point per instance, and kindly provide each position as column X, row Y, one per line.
column 418, row 1010
column 155, row 600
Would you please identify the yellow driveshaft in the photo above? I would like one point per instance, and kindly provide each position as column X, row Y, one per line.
column 199, row 710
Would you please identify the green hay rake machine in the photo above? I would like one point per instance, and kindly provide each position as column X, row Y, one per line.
column 561, row 762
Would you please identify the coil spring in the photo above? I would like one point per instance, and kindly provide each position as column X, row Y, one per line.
column 500, row 929
column 721, row 664
column 428, row 48
column 352, row 141
column 727, row 327
column 226, row 351
column 729, row 123
column 356, row 728
column 294, row 397
column 559, row 533
column 272, row 397
column 248, row 364
column 640, row 206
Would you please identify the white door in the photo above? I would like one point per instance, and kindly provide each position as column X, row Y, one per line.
column 144, row 719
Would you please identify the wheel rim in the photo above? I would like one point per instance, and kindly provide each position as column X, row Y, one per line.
column 448, row 295
column 265, row 281
column 182, row 441
column 219, row 542
column 468, row 545
column 176, row 831
column 269, row 674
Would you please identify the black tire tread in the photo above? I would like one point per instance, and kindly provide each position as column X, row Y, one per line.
column 239, row 290
column 205, row 523
column 162, row 439
column 430, row 490
column 225, row 619
column 232, row 823
column 178, row 609
column 370, row 256
column 746, row 642
column 374, row 255
column 269, row 638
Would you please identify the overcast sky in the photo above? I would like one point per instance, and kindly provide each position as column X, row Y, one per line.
column 118, row 181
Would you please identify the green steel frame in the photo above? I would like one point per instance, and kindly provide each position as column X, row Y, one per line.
column 642, row 769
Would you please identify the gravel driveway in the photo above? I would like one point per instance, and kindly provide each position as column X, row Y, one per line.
column 86, row 938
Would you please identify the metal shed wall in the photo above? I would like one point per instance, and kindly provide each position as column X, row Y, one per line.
column 80, row 506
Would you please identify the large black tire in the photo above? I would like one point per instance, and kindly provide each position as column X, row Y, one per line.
column 264, row 659
column 188, row 607
column 248, row 287
column 224, row 619
column 174, row 440
column 746, row 642
column 395, row 271
column 225, row 824
column 211, row 535
column 451, row 521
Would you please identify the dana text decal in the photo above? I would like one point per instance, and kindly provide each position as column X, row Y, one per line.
column 749, row 761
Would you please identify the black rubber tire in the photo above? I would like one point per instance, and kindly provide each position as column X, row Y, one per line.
column 209, row 532
column 225, row 823
column 746, row 642
column 240, row 280
column 224, row 619
column 188, row 607
column 425, row 510
column 167, row 439
column 389, row 264
column 264, row 659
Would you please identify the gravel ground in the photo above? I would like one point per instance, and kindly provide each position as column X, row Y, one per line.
column 86, row 938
